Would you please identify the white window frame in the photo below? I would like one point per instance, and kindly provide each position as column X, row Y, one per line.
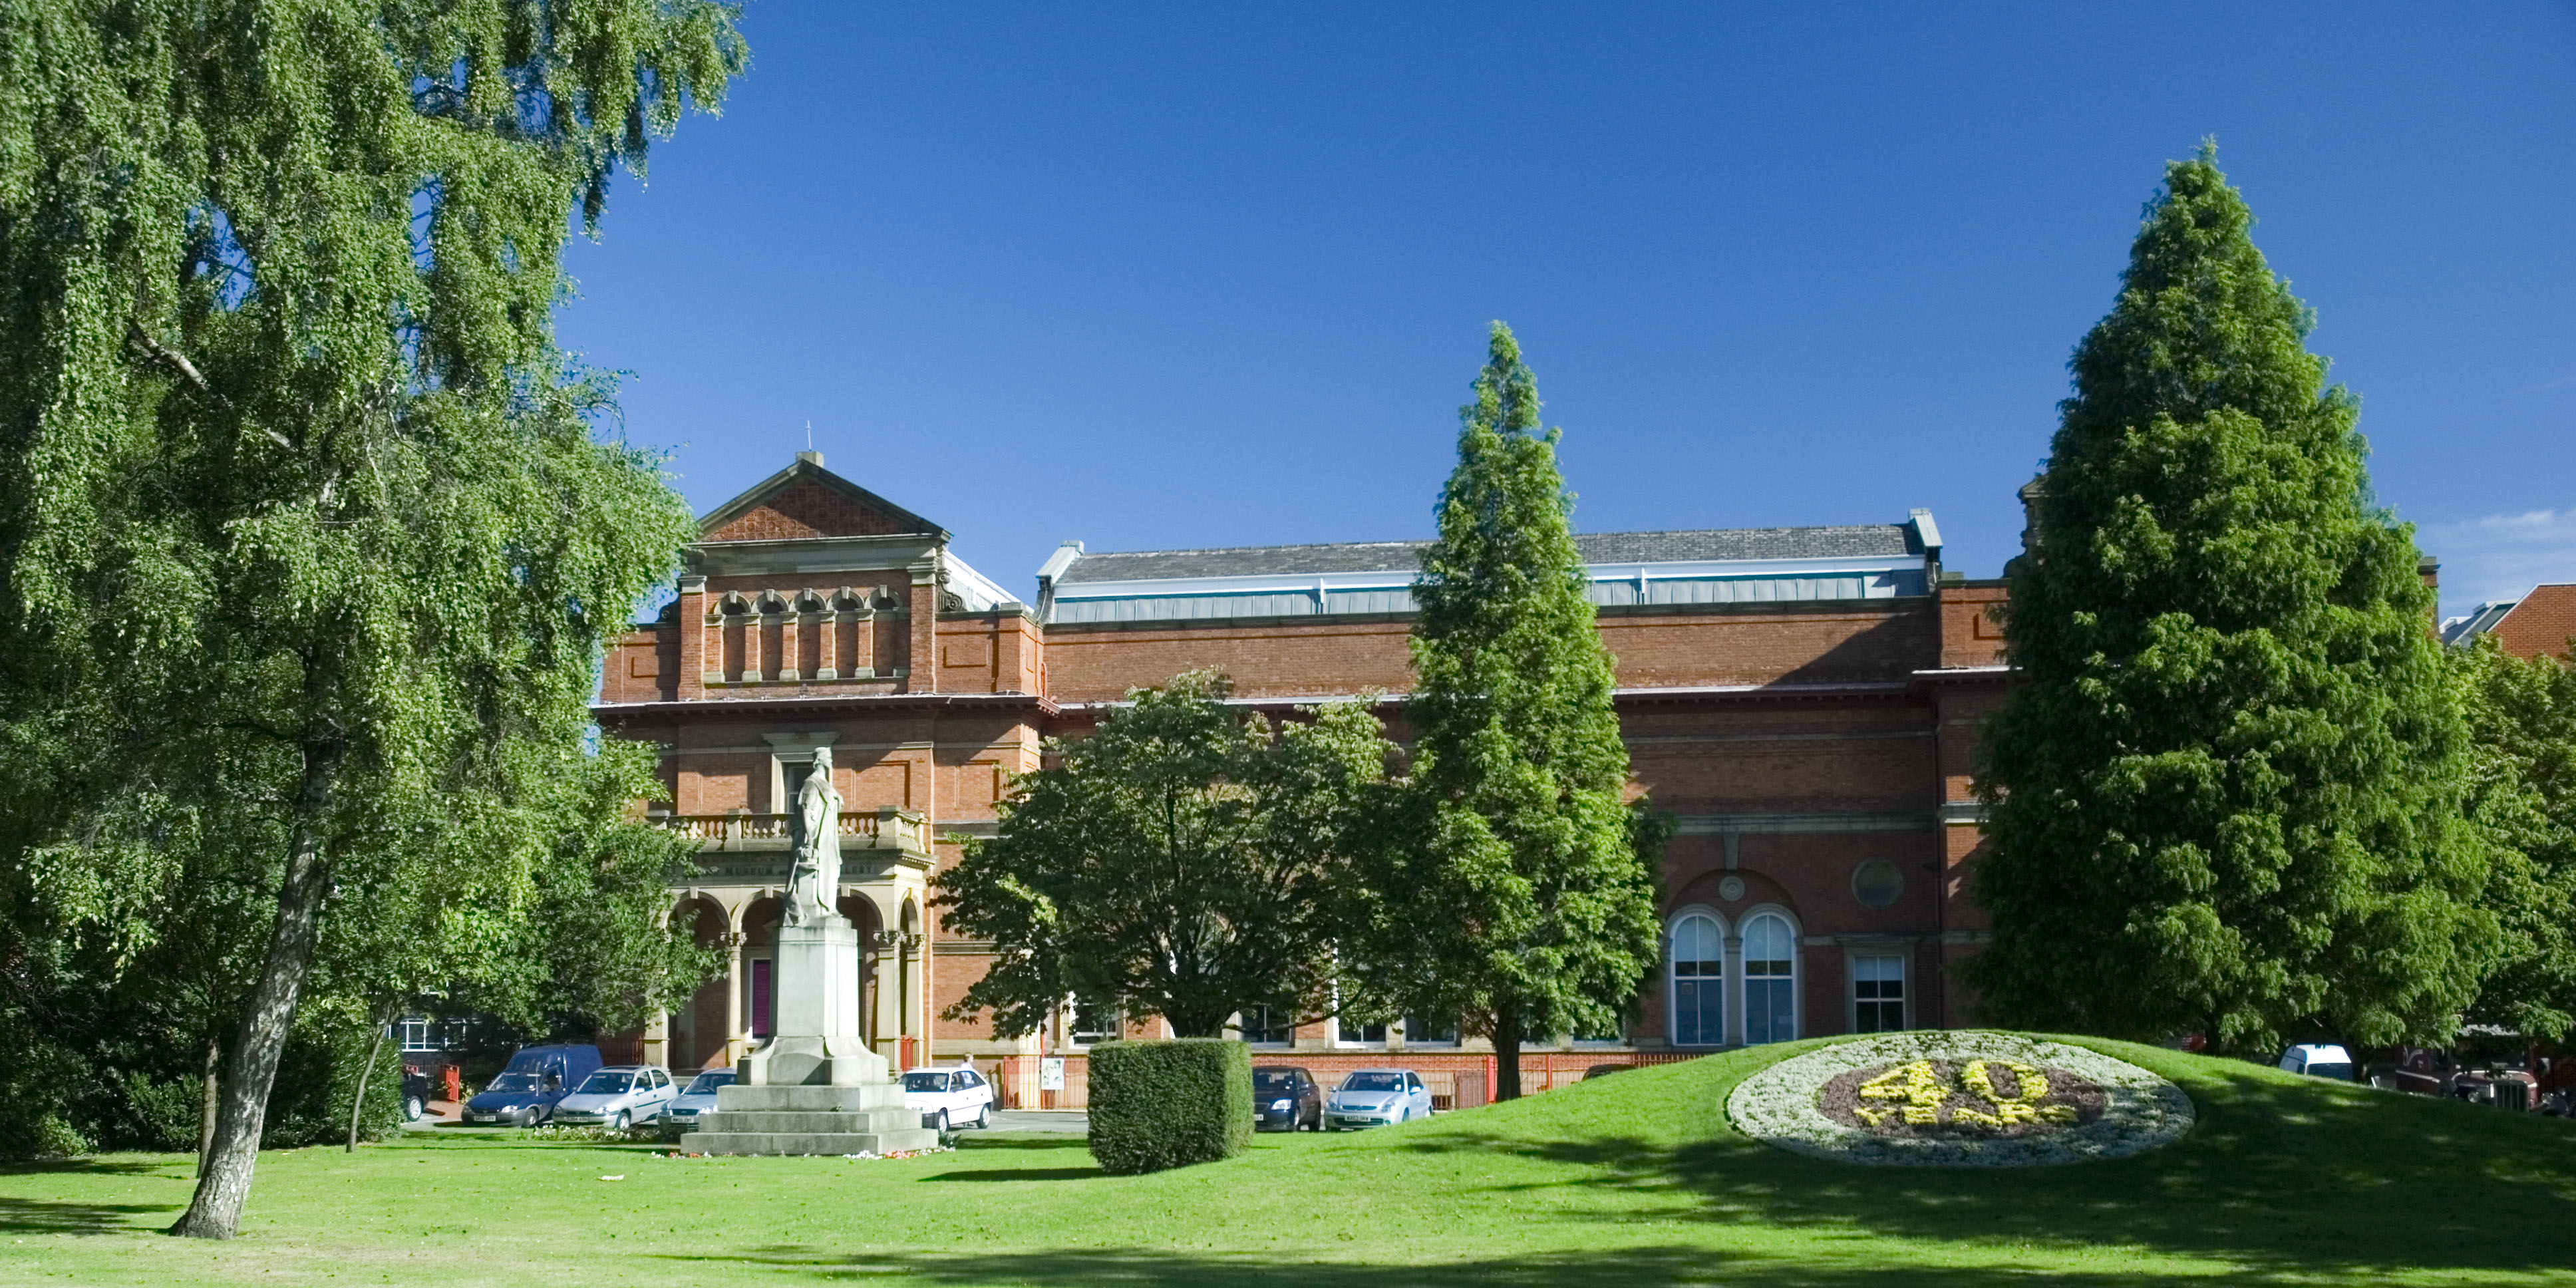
column 1742, row 992
column 1077, row 1042
column 1852, row 955
column 1343, row 1039
column 1673, row 983
column 1234, row 1024
column 1401, row 1029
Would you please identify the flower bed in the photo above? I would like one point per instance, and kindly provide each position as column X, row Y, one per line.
column 1959, row 1099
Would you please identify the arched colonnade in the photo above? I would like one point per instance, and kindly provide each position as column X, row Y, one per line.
column 728, row 1015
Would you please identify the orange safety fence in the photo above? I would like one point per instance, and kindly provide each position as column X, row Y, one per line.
column 1456, row 1079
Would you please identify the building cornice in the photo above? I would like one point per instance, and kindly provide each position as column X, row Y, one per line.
column 618, row 712
column 1883, row 606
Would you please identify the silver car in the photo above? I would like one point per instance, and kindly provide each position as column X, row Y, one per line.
column 681, row 1115
column 1376, row 1098
column 618, row 1097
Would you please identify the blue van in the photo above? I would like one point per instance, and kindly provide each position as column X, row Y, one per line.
column 525, row 1093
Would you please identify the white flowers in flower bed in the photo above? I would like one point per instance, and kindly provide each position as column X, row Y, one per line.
column 1959, row 1099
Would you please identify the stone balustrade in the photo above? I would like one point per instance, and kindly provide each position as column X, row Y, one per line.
column 886, row 829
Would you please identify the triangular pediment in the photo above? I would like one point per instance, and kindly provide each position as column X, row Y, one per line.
column 806, row 501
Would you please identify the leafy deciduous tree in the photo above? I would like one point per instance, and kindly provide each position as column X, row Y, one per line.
column 2522, row 719
column 1186, row 860
column 295, row 490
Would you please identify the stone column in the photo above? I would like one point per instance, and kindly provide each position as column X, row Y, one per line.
column 791, row 650
column 1734, row 986
column 737, row 979
column 657, row 1040
column 689, row 619
column 828, row 664
column 888, row 1025
column 921, row 660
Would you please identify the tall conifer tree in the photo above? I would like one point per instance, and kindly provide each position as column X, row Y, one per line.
column 1519, row 891
column 2228, row 798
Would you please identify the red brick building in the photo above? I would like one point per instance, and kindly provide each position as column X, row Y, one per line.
column 1804, row 700
column 2539, row 624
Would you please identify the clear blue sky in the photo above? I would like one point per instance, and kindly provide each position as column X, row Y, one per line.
column 1218, row 275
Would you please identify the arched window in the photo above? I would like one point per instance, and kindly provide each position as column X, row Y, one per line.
column 1699, row 981
column 1770, row 979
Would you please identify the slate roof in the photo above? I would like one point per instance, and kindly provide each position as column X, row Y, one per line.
column 1858, row 540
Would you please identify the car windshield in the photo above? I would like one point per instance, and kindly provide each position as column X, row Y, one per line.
column 2330, row 1070
column 1373, row 1082
column 605, row 1083
column 925, row 1082
column 705, row 1084
column 514, row 1082
column 1274, row 1079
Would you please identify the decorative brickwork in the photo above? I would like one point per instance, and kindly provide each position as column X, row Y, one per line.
column 806, row 509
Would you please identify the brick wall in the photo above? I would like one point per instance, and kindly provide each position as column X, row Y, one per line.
column 1972, row 630
column 2541, row 623
column 806, row 508
column 1294, row 658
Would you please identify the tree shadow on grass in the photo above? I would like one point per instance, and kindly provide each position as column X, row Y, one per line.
column 1022, row 1174
column 43, row 1216
column 1021, row 1141
column 1132, row 1267
column 2286, row 1180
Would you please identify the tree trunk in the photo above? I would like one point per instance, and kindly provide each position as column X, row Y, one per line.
column 223, row 1182
column 211, row 1103
column 1507, row 1052
column 358, row 1102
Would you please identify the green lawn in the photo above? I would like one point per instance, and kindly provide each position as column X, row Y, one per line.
column 1633, row 1179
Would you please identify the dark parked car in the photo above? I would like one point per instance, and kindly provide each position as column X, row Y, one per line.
column 1286, row 1098
column 538, row 1076
column 415, row 1093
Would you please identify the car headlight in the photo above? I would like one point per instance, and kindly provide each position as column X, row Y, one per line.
column 1278, row 1106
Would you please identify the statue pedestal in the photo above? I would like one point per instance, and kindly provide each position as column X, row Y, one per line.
column 815, row 1037
column 814, row 1087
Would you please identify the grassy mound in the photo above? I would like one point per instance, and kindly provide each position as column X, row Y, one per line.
column 1633, row 1179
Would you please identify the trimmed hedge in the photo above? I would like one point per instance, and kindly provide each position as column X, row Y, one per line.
column 1169, row 1104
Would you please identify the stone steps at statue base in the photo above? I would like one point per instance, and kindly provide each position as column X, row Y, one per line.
column 795, row 1122
column 776, row 1120
column 825, row 1143
column 869, row 1098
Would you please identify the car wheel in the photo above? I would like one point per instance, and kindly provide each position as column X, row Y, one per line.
column 983, row 1118
column 943, row 1128
column 620, row 1122
column 413, row 1109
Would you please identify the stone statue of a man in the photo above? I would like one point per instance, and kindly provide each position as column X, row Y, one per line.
column 814, row 879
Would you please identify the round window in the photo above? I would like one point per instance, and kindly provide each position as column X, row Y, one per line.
column 1877, row 883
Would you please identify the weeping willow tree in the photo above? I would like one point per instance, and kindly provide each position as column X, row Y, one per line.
column 307, row 541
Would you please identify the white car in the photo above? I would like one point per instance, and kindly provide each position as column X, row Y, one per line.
column 2318, row 1060
column 947, row 1098
column 618, row 1097
column 1375, row 1098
